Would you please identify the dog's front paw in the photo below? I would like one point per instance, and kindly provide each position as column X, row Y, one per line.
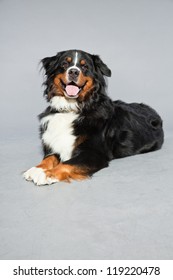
column 38, row 176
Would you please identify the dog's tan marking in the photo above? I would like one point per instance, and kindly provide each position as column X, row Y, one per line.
column 88, row 86
column 48, row 163
column 79, row 140
column 66, row 172
column 69, row 59
column 82, row 62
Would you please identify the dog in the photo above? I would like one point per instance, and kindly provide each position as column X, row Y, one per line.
column 82, row 129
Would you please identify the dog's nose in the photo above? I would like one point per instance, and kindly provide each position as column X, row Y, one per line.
column 73, row 73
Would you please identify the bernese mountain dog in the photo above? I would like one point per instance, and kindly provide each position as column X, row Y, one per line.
column 82, row 129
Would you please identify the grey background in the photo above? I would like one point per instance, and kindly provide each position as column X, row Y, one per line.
column 125, row 211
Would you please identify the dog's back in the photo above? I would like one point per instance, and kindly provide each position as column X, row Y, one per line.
column 138, row 129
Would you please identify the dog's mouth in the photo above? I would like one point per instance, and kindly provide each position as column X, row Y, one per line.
column 72, row 90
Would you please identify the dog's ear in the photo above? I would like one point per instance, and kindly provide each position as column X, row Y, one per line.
column 50, row 63
column 101, row 66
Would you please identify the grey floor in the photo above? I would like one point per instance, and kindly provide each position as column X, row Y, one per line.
column 126, row 210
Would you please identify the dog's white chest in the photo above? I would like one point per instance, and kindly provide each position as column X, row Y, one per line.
column 59, row 133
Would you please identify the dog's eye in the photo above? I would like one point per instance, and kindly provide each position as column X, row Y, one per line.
column 84, row 67
column 65, row 64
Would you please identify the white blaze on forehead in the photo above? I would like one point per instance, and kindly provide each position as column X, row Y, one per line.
column 76, row 58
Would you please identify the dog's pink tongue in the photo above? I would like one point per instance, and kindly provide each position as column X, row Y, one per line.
column 72, row 90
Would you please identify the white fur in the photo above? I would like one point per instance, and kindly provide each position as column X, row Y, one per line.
column 38, row 176
column 61, row 104
column 76, row 58
column 59, row 133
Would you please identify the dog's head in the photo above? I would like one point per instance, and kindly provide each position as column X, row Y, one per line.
column 74, row 74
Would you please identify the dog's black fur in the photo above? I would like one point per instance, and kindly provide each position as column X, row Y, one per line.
column 109, row 129
column 113, row 129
